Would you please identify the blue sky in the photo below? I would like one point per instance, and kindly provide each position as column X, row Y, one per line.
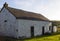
column 48, row 8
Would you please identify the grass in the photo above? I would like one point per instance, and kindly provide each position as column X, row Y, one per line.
column 52, row 37
column 49, row 38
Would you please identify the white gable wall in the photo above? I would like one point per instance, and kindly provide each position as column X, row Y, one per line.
column 7, row 28
column 25, row 25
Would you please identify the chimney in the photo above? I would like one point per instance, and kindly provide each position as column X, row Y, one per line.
column 5, row 5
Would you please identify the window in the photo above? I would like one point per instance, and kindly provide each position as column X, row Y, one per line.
column 17, row 30
column 5, row 21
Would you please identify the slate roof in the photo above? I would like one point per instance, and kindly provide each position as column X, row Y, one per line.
column 21, row 14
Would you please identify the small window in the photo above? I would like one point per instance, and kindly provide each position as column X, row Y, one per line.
column 17, row 30
column 5, row 21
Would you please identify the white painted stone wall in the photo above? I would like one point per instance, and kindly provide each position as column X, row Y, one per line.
column 54, row 28
column 24, row 27
column 7, row 28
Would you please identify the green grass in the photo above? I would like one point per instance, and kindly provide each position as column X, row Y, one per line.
column 49, row 38
column 53, row 37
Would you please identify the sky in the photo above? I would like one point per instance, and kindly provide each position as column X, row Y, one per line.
column 48, row 8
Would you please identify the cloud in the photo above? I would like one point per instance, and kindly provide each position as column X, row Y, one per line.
column 24, row 3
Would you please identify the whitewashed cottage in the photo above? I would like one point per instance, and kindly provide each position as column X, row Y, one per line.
column 19, row 23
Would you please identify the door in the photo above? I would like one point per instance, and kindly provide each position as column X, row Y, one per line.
column 32, row 31
column 43, row 30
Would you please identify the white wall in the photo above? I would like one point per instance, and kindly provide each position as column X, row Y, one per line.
column 54, row 28
column 24, row 27
column 7, row 28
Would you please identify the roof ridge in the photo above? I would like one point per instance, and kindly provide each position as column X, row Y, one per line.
column 24, row 10
column 20, row 10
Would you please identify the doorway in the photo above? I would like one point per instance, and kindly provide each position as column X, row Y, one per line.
column 32, row 31
column 43, row 30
